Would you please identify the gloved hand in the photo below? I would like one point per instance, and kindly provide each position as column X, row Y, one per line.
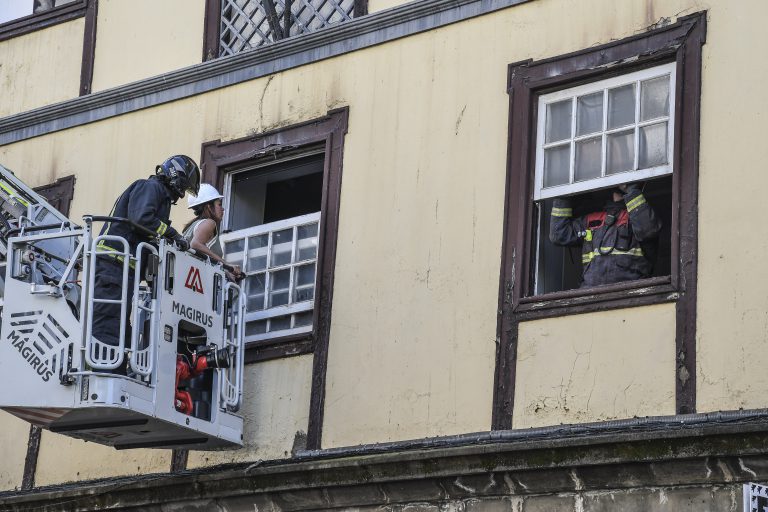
column 633, row 188
column 181, row 243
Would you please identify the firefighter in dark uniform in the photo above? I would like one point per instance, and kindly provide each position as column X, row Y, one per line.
column 147, row 203
column 612, row 240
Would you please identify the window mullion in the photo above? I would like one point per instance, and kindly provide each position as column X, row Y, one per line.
column 291, row 274
column 267, row 273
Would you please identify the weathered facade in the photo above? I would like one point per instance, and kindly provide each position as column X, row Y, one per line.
column 428, row 368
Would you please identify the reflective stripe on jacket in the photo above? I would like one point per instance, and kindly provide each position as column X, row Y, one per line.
column 611, row 250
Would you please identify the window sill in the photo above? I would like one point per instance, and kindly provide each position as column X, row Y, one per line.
column 33, row 22
column 277, row 348
column 643, row 292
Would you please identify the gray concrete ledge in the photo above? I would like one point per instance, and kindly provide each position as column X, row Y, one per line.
column 696, row 463
column 367, row 31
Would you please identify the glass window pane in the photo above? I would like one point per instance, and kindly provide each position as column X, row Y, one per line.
column 278, row 287
column 653, row 146
column 304, row 294
column 654, row 98
column 282, row 245
column 304, row 283
column 621, row 152
column 589, row 159
column 302, row 319
column 307, row 244
column 621, row 106
column 255, row 292
column 257, row 252
column 558, row 121
column 589, row 113
column 305, row 275
column 279, row 323
column 234, row 249
column 557, row 165
column 256, row 327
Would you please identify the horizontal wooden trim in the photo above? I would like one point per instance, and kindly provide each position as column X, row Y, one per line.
column 33, row 22
column 342, row 38
column 594, row 302
column 286, row 346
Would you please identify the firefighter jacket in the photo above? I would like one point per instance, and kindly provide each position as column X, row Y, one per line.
column 611, row 240
column 148, row 204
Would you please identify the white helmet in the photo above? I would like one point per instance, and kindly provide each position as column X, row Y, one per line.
column 206, row 194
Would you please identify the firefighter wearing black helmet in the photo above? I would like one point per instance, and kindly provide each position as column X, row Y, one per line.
column 146, row 202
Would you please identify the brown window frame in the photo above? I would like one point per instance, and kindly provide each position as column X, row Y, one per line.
column 43, row 19
column 61, row 14
column 212, row 25
column 219, row 158
column 59, row 193
column 681, row 43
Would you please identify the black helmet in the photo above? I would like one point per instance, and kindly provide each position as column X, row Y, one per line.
column 181, row 174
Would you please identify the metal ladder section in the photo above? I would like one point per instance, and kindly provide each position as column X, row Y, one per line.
column 234, row 333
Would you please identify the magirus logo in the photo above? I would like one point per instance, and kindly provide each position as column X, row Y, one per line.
column 194, row 282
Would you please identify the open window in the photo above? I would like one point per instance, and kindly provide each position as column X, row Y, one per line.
column 273, row 212
column 579, row 124
column 590, row 139
column 281, row 196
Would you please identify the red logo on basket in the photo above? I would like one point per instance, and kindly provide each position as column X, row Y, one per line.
column 194, row 282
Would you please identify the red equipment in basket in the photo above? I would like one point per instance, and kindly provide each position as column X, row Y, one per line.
column 209, row 357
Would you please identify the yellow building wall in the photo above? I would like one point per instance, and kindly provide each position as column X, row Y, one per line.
column 41, row 68
column 13, row 451
column 414, row 316
column 596, row 367
column 276, row 412
column 732, row 330
column 138, row 39
column 64, row 459
column 380, row 5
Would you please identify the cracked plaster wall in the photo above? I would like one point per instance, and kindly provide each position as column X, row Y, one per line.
column 595, row 367
column 41, row 67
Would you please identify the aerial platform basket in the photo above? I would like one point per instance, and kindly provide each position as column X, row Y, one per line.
column 174, row 378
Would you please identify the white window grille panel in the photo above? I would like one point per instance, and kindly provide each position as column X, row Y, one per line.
column 247, row 24
column 605, row 133
column 280, row 263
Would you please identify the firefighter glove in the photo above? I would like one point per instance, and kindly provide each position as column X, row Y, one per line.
column 181, row 242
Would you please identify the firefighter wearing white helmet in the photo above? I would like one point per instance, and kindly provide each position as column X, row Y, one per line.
column 203, row 231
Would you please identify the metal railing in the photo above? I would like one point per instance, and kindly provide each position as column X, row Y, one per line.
column 100, row 355
column 142, row 358
column 231, row 379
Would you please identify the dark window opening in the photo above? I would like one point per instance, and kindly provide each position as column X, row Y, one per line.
column 558, row 268
column 280, row 191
